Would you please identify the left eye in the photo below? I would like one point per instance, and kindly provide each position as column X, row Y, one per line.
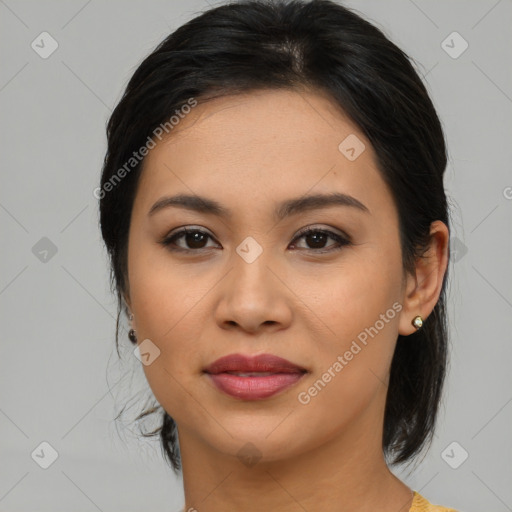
column 317, row 238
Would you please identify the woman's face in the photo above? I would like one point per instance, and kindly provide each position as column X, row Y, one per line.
column 249, row 283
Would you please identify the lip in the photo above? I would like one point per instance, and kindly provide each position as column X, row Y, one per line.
column 281, row 374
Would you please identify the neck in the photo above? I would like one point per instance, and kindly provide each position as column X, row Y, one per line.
column 344, row 473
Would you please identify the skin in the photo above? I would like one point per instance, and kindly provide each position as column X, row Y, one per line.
column 250, row 152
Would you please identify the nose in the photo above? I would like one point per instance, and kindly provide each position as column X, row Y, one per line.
column 253, row 297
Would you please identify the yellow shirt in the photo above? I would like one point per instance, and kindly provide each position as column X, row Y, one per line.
column 420, row 504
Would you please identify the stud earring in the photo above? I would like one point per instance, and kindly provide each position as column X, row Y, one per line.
column 132, row 336
column 417, row 322
column 131, row 333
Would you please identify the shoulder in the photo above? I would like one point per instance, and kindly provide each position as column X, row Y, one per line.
column 420, row 504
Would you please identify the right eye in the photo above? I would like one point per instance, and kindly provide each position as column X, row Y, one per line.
column 195, row 239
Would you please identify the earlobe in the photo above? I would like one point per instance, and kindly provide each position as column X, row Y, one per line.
column 132, row 334
column 424, row 287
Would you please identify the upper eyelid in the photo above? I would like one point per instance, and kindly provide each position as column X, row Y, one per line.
column 335, row 231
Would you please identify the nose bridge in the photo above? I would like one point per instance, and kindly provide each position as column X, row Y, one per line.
column 250, row 262
column 251, row 295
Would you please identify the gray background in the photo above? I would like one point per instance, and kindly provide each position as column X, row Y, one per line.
column 60, row 378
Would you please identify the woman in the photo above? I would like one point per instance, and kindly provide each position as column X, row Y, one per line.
column 272, row 202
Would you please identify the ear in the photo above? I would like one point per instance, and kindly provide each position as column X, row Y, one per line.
column 422, row 289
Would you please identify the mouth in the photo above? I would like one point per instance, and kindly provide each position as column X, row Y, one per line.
column 253, row 378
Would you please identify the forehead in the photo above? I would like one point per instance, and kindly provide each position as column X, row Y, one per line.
column 261, row 145
column 261, row 121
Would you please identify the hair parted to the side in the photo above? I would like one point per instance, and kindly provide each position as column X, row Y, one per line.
column 315, row 45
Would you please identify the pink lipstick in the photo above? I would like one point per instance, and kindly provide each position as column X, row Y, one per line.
column 253, row 377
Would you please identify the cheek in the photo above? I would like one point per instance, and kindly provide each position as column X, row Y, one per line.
column 163, row 292
column 166, row 302
column 357, row 310
column 348, row 298
column 352, row 366
column 166, row 306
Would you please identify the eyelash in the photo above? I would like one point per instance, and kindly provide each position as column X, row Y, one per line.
column 341, row 240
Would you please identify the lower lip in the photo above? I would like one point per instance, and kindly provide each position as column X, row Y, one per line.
column 254, row 388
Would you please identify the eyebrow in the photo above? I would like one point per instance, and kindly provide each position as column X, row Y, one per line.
column 283, row 210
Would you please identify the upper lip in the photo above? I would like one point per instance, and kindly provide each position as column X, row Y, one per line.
column 259, row 363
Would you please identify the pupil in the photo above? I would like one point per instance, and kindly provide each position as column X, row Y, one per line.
column 195, row 238
column 318, row 239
